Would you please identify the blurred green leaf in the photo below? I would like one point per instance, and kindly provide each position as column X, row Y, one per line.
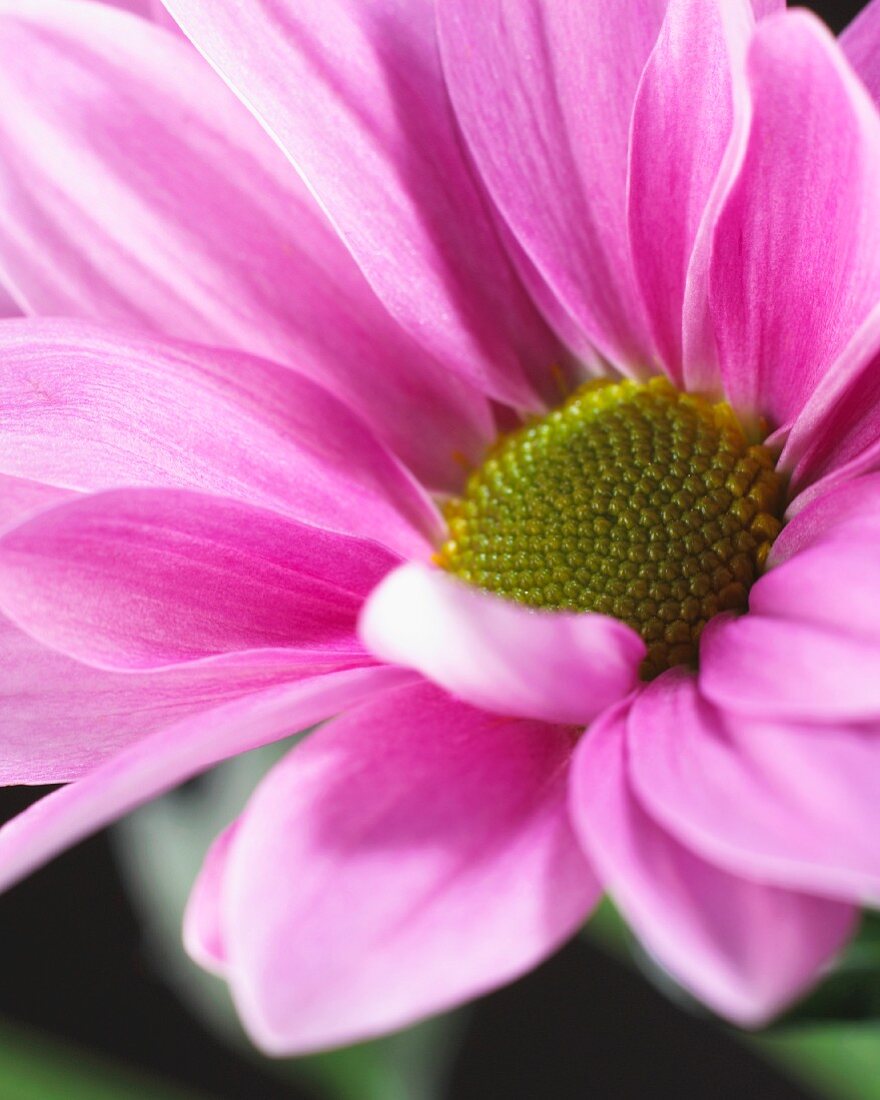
column 835, row 1060
column 160, row 849
column 33, row 1067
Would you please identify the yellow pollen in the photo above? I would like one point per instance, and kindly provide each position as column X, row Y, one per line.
column 631, row 499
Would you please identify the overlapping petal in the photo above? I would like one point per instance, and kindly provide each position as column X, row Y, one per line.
column 836, row 436
column 689, row 99
column 202, row 922
column 851, row 507
column 784, row 669
column 796, row 255
column 860, row 42
column 61, row 718
column 136, row 189
column 154, row 764
column 427, row 856
column 789, row 804
column 745, row 948
column 142, row 578
column 544, row 95
column 135, row 411
column 496, row 654
column 352, row 91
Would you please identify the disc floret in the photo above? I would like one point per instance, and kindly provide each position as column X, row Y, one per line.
column 631, row 499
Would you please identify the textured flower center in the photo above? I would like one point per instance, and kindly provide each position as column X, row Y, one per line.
column 632, row 499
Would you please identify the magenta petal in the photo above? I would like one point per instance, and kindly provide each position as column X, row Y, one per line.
column 133, row 411
column 796, row 256
column 850, row 506
column 836, row 436
column 550, row 665
column 410, row 855
column 783, row 669
column 203, row 934
column 745, row 948
column 173, row 754
column 141, row 578
column 787, row 804
column 352, row 91
column 834, row 583
column 544, row 94
column 682, row 122
column 137, row 189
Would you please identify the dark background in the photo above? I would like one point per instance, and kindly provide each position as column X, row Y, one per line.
column 73, row 964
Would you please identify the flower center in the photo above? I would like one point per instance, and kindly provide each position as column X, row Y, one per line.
column 631, row 499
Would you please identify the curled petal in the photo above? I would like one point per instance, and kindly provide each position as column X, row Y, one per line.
column 551, row 665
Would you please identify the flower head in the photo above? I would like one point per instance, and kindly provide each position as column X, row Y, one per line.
column 513, row 410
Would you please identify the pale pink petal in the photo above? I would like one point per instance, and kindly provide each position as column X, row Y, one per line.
column 140, row 578
column 134, row 411
column 763, row 8
column 848, row 506
column 796, row 255
column 20, row 497
column 837, row 434
column 744, row 948
column 411, row 855
column 62, row 718
column 202, row 929
column 860, row 42
column 352, row 91
column 551, row 665
column 135, row 188
column 682, row 122
column 784, row 669
column 793, row 805
column 544, row 94
column 174, row 753
column 8, row 307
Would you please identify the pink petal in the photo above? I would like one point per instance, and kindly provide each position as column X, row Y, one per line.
column 352, row 91
column 745, row 948
column 834, row 583
column 172, row 754
column 133, row 411
column 683, row 119
column 409, row 856
column 837, row 434
column 787, row 804
column 61, row 718
column 860, row 42
column 8, row 307
column 796, row 257
column 20, row 497
column 137, row 189
column 140, row 578
column 202, row 931
column 544, row 94
column 499, row 655
column 783, row 669
column 848, row 506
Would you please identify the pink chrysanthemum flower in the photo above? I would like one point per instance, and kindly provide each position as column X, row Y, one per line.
column 586, row 312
